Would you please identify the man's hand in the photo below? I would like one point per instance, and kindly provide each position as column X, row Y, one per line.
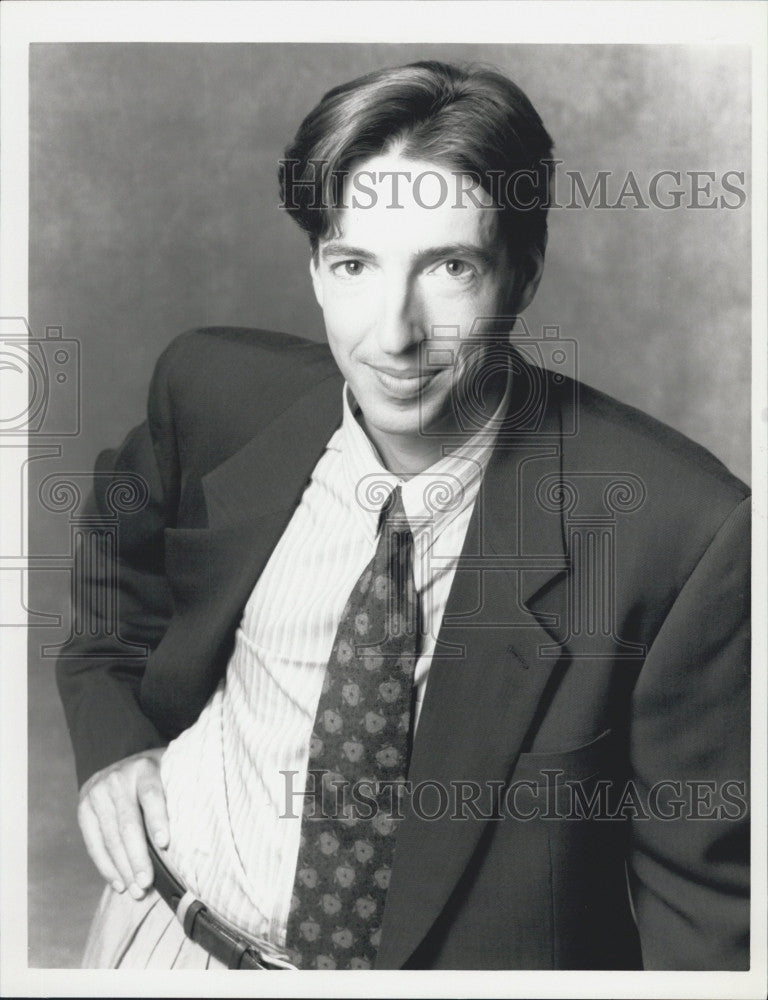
column 110, row 816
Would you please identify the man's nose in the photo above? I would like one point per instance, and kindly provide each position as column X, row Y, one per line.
column 400, row 327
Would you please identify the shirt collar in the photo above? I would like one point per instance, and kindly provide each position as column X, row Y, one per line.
column 432, row 498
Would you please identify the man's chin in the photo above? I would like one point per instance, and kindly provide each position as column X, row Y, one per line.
column 403, row 426
column 417, row 421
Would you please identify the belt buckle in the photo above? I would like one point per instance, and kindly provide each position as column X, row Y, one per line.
column 187, row 910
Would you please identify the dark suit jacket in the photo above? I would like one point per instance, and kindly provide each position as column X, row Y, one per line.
column 596, row 631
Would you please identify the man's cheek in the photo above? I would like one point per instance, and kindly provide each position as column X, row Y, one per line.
column 347, row 324
column 455, row 319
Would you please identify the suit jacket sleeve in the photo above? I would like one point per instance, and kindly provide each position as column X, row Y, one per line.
column 98, row 683
column 690, row 723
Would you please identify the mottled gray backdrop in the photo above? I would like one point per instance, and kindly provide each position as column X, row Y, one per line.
column 153, row 208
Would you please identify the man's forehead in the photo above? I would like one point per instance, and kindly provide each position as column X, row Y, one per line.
column 414, row 204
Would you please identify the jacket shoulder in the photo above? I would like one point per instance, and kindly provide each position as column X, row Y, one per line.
column 218, row 386
column 227, row 348
column 685, row 494
column 619, row 435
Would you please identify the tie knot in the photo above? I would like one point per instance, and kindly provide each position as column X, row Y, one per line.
column 393, row 514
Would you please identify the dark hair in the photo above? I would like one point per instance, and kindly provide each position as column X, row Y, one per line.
column 469, row 119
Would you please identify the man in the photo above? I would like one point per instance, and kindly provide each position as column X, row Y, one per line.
column 449, row 653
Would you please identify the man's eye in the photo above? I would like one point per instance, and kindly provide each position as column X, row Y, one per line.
column 457, row 268
column 349, row 268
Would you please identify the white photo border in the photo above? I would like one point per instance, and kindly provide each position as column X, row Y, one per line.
column 25, row 22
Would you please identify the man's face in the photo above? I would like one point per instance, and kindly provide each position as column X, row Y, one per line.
column 393, row 276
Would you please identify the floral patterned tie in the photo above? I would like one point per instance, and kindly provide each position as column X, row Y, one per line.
column 358, row 761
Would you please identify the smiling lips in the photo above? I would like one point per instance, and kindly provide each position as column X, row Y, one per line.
column 403, row 385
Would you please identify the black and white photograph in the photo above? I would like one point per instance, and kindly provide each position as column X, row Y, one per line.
column 384, row 397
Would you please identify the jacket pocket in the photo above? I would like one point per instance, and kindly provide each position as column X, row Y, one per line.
column 575, row 765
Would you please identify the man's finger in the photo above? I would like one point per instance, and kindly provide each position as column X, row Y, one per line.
column 134, row 843
column 111, row 803
column 94, row 843
column 113, row 842
column 152, row 800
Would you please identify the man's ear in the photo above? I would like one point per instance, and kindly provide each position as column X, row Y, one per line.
column 527, row 277
column 317, row 284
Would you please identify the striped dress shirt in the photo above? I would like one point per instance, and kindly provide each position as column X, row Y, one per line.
column 234, row 779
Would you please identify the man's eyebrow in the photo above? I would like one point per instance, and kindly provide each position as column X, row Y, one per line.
column 483, row 255
column 344, row 250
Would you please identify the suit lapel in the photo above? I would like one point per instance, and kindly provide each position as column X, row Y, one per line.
column 493, row 660
column 251, row 497
column 269, row 472
column 212, row 570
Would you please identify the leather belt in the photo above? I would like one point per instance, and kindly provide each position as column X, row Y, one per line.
column 204, row 928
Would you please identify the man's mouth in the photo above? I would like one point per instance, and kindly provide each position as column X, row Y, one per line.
column 404, row 384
